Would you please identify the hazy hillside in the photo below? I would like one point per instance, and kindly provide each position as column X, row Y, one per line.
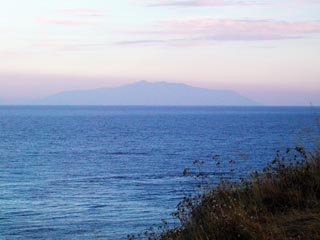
column 147, row 93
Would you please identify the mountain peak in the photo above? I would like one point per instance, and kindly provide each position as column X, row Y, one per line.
column 141, row 82
column 151, row 93
column 158, row 83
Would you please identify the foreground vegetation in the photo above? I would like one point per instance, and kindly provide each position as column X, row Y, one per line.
column 280, row 202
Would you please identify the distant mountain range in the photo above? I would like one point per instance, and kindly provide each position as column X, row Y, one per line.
column 147, row 93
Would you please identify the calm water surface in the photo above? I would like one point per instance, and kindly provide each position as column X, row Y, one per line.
column 104, row 172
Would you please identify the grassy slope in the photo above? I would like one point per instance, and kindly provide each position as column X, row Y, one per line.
column 282, row 202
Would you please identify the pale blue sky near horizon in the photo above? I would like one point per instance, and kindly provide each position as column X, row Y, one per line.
column 266, row 50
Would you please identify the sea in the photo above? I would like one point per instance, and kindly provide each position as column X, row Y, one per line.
column 80, row 172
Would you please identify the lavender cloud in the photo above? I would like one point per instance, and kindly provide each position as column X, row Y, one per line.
column 203, row 3
column 69, row 22
column 83, row 12
column 199, row 30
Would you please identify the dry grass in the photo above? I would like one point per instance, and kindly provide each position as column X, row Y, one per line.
column 281, row 202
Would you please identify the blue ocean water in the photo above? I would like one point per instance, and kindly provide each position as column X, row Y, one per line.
column 105, row 172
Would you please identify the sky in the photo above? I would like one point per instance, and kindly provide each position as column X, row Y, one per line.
column 267, row 50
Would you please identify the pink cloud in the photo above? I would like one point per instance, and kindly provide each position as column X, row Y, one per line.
column 63, row 45
column 141, row 42
column 86, row 12
column 208, row 29
column 215, row 3
column 189, row 32
column 229, row 27
column 308, row 1
column 69, row 22
column 198, row 3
